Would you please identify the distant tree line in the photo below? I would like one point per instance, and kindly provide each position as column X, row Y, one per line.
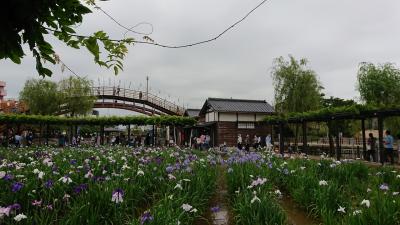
column 298, row 89
column 72, row 95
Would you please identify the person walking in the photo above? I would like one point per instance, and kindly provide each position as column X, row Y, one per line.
column 371, row 143
column 388, row 144
column 239, row 142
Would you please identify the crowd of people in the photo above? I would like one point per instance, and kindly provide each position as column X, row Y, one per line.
column 19, row 139
column 202, row 142
column 256, row 142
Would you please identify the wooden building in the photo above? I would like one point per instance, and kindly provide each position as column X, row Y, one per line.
column 224, row 119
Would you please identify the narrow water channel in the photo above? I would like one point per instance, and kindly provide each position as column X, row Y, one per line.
column 220, row 202
column 295, row 215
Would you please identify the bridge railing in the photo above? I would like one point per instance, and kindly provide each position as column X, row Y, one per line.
column 128, row 93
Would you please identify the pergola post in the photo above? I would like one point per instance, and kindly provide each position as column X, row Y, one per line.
column 7, row 134
column 47, row 134
column 40, row 134
column 70, row 135
column 338, row 145
column 363, row 138
column 153, row 133
column 102, row 135
column 281, row 139
column 330, row 139
column 305, row 147
column 129, row 134
column 380, row 139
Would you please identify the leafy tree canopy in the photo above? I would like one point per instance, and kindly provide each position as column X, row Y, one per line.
column 41, row 96
column 337, row 102
column 77, row 95
column 379, row 84
column 30, row 22
column 297, row 88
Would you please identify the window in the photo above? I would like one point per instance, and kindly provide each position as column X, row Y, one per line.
column 246, row 125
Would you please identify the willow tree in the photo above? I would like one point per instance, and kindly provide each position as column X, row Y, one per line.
column 41, row 96
column 296, row 87
column 77, row 95
column 378, row 85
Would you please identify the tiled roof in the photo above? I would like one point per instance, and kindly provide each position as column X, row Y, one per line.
column 192, row 112
column 238, row 105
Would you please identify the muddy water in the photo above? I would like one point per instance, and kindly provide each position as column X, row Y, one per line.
column 296, row 215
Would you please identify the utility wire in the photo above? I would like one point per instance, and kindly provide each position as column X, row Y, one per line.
column 125, row 27
column 67, row 67
column 165, row 45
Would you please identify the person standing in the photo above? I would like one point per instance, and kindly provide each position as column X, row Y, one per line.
column 371, row 143
column 17, row 139
column 255, row 142
column 247, row 143
column 388, row 144
column 239, row 142
column 268, row 142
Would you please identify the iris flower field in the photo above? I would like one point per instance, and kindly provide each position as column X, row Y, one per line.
column 123, row 185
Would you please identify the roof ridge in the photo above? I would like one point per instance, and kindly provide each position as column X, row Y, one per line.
column 236, row 100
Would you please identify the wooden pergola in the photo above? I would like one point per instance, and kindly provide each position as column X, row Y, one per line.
column 361, row 115
column 72, row 122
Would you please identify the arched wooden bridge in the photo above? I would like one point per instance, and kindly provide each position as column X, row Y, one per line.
column 133, row 100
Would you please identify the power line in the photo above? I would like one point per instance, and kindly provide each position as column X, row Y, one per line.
column 125, row 27
column 165, row 45
column 58, row 60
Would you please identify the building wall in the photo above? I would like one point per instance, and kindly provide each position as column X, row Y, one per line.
column 228, row 132
column 246, row 117
column 228, row 117
column 211, row 116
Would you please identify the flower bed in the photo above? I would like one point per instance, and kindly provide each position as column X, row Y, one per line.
column 95, row 185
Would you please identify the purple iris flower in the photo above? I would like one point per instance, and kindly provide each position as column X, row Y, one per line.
column 15, row 206
column 384, row 187
column 8, row 177
column 80, row 188
column 146, row 217
column 169, row 169
column 16, row 186
column 215, row 209
column 49, row 184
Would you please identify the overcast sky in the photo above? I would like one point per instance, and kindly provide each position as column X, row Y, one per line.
column 334, row 35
